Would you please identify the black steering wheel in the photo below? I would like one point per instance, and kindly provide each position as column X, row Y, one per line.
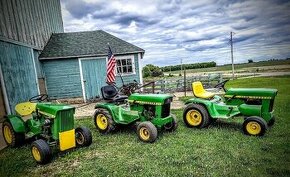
column 38, row 98
column 222, row 84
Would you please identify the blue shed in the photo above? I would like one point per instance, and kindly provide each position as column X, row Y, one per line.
column 74, row 64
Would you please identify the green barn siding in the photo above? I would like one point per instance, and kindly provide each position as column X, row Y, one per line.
column 30, row 21
column 130, row 78
column 62, row 78
column 18, row 72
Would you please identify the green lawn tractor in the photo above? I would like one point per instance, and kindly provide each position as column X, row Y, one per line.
column 148, row 111
column 48, row 124
column 255, row 104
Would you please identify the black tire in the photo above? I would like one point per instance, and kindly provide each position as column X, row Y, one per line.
column 271, row 122
column 172, row 126
column 83, row 137
column 43, row 150
column 106, row 117
column 16, row 139
column 255, row 126
column 200, row 119
column 147, row 132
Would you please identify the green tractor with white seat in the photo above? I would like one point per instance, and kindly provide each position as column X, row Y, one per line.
column 149, row 112
column 48, row 124
column 255, row 104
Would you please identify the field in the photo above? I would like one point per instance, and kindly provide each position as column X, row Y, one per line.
column 243, row 66
column 220, row 150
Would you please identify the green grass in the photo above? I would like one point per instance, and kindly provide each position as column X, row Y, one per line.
column 220, row 150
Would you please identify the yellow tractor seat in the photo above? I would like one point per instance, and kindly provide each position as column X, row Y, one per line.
column 25, row 109
column 199, row 92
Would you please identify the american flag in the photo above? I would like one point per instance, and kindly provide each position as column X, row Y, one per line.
column 111, row 66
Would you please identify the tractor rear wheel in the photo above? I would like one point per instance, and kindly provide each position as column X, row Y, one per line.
column 172, row 126
column 41, row 151
column 196, row 115
column 255, row 126
column 103, row 121
column 12, row 138
column 83, row 137
column 147, row 132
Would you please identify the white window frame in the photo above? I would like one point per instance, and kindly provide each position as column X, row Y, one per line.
column 133, row 64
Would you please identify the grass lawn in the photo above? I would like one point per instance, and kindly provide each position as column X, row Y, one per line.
column 219, row 150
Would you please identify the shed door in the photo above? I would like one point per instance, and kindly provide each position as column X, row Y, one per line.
column 94, row 76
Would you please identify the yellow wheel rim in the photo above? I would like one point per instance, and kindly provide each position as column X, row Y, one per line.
column 253, row 128
column 80, row 139
column 193, row 117
column 7, row 134
column 102, row 121
column 36, row 154
column 144, row 133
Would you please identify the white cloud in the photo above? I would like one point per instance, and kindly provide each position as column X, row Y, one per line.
column 196, row 31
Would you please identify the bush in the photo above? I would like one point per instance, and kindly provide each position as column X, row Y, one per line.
column 151, row 70
column 188, row 66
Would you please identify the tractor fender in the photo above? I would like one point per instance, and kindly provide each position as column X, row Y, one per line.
column 208, row 105
column 106, row 107
column 17, row 123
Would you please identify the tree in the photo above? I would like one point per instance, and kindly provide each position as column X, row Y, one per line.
column 151, row 70
column 250, row 61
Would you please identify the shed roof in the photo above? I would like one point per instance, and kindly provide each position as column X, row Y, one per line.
column 85, row 44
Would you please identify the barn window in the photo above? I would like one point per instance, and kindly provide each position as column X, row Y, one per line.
column 125, row 65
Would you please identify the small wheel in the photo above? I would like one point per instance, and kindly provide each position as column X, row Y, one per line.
column 147, row 132
column 172, row 126
column 271, row 122
column 195, row 115
column 83, row 137
column 41, row 151
column 103, row 121
column 255, row 126
column 12, row 138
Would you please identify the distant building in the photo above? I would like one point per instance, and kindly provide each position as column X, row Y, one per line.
column 36, row 56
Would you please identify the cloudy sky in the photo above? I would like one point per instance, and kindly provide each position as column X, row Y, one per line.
column 191, row 30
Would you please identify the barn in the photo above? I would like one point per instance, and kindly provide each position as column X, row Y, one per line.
column 25, row 28
column 74, row 64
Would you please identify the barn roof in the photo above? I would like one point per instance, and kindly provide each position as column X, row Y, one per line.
column 85, row 44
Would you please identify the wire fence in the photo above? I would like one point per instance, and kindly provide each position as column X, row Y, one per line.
column 171, row 85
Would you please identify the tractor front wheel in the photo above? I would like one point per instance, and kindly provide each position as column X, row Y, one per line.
column 103, row 121
column 12, row 138
column 83, row 137
column 147, row 132
column 172, row 126
column 195, row 115
column 255, row 126
column 41, row 151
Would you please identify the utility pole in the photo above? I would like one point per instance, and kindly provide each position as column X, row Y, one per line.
column 181, row 67
column 232, row 56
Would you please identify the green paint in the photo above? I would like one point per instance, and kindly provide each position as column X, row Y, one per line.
column 136, row 111
column 240, row 101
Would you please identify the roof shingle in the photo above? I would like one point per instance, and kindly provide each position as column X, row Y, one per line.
column 84, row 44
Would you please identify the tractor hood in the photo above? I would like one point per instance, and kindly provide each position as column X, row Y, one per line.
column 152, row 99
column 256, row 93
column 51, row 109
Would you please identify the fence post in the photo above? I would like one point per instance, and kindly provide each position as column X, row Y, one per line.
column 184, row 82
column 153, row 87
